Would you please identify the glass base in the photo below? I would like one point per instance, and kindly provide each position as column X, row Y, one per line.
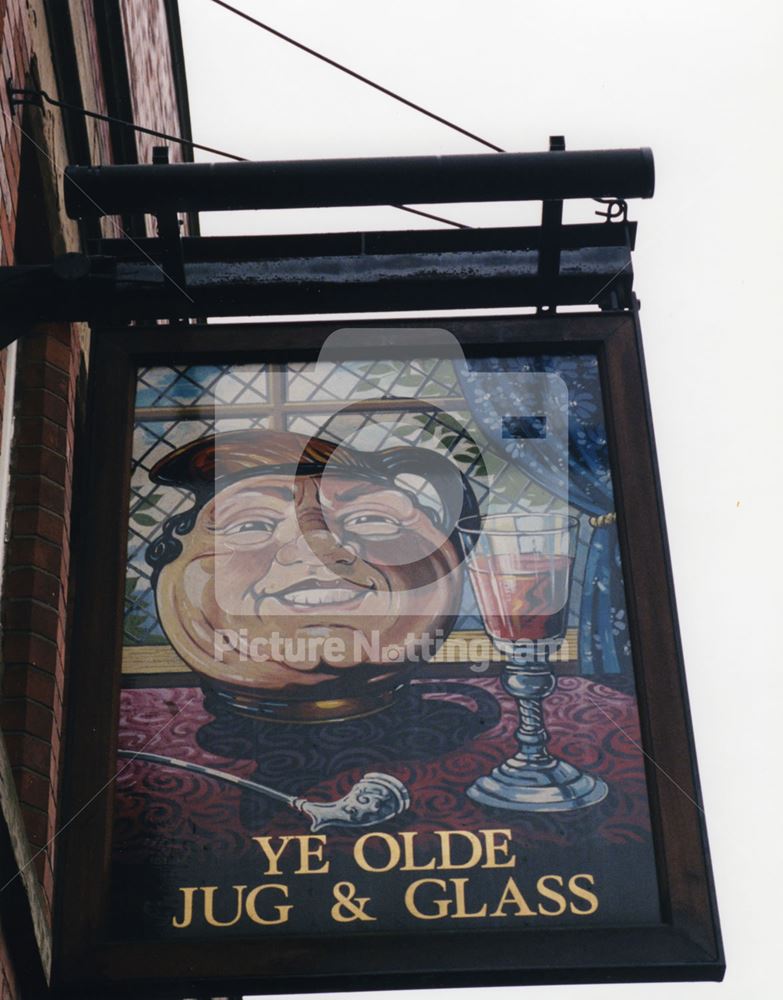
column 553, row 787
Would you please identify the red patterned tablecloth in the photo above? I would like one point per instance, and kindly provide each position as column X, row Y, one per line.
column 442, row 737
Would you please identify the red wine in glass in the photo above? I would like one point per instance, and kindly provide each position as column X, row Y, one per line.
column 520, row 569
column 522, row 596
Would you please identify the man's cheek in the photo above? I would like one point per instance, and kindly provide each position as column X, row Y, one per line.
column 247, row 561
column 236, row 575
column 196, row 581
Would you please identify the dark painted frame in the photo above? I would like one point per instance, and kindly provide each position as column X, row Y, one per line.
column 686, row 945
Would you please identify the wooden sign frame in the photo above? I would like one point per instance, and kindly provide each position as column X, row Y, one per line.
column 93, row 958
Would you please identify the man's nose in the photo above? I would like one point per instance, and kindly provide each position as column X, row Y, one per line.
column 314, row 545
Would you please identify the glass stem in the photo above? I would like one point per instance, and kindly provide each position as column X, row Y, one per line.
column 529, row 684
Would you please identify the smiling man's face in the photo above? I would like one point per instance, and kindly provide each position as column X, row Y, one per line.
column 307, row 558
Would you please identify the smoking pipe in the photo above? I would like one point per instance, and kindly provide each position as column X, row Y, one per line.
column 375, row 798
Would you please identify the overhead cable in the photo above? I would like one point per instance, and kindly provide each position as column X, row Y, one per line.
column 19, row 96
column 358, row 76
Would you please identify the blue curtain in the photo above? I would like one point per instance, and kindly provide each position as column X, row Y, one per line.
column 604, row 643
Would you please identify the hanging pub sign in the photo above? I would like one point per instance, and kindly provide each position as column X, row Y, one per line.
column 376, row 675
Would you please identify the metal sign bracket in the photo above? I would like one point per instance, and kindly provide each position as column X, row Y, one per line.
column 182, row 277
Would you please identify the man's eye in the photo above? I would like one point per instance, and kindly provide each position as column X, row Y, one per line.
column 372, row 524
column 245, row 526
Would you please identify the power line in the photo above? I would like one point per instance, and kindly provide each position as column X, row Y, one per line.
column 429, row 215
column 116, row 224
column 376, row 86
column 19, row 96
column 358, row 76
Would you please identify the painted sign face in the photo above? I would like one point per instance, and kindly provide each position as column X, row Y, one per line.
column 315, row 576
column 324, row 675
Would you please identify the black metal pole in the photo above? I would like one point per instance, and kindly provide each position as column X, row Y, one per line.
column 204, row 187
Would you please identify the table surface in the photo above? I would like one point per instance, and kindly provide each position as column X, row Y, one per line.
column 438, row 737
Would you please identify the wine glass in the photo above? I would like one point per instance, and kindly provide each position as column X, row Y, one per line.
column 520, row 568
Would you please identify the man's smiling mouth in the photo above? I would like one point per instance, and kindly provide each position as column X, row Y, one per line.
column 314, row 593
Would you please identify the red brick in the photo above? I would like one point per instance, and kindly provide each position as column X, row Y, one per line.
column 41, row 347
column 33, row 789
column 40, row 431
column 66, row 558
column 27, row 751
column 52, row 809
column 6, row 50
column 12, row 167
column 37, row 461
column 22, row 681
column 47, row 881
column 20, row 647
column 33, row 490
column 37, row 824
column 45, row 391
column 9, row 197
column 63, row 332
column 35, row 552
column 67, row 493
column 45, row 404
column 20, row 58
column 67, row 498
column 52, row 783
column 18, row 715
column 57, row 707
column 59, row 631
column 35, row 584
column 6, row 231
column 62, row 606
column 44, row 376
column 28, row 616
column 37, row 521
column 11, row 160
column 55, row 745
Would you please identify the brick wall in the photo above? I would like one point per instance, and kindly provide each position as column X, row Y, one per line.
column 149, row 58
column 88, row 55
column 36, row 556
column 15, row 45
column 35, row 586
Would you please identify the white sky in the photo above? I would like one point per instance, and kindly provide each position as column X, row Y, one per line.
column 700, row 83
